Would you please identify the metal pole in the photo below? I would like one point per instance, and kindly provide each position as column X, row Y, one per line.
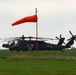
column 36, row 35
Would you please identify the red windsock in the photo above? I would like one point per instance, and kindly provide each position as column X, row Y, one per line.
column 32, row 18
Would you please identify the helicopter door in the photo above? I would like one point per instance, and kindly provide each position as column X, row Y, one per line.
column 30, row 46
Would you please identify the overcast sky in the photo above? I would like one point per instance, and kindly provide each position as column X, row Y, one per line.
column 55, row 17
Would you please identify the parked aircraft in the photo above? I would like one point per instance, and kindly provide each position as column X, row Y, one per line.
column 29, row 43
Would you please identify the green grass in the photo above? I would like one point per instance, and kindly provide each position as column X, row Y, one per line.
column 66, row 55
column 37, row 67
column 47, row 63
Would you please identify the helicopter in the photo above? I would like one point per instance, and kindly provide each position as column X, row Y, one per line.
column 29, row 43
column 25, row 43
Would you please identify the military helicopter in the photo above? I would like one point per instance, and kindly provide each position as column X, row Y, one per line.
column 25, row 43
column 29, row 43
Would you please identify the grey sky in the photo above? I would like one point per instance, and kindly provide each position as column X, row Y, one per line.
column 55, row 17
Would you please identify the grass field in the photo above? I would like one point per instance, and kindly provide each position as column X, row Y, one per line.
column 47, row 63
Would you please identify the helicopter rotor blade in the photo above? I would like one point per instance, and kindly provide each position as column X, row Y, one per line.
column 60, row 36
column 70, row 33
column 40, row 38
column 26, row 38
column 73, row 36
column 45, row 38
column 57, row 37
column 68, row 39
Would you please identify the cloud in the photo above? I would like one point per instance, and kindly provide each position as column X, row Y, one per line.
column 44, row 7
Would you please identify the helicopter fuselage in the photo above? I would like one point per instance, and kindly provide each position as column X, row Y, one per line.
column 31, row 45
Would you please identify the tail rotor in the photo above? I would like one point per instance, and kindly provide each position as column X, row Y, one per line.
column 73, row 36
